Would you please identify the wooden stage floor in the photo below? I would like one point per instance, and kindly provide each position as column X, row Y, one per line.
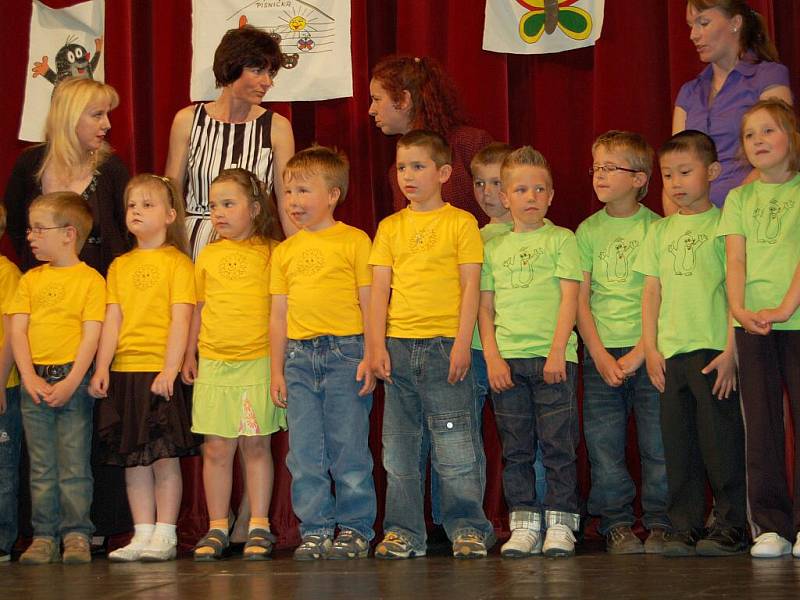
column 592, row 574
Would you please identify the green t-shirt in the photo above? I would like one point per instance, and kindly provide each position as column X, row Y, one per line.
column 489, row 232
column 524, row 272
column 768, row 216
column 685, row 254
column 608, row 247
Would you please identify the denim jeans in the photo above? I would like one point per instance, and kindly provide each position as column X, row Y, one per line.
column 421, row 405
column 59, row 442
column 605, row 424
column 10, row 444
column 534, row 412
column 329, row 436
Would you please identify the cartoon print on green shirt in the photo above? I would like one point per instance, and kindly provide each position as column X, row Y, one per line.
column 684, row 249
column 616, row 259
column 768, row 220
column 522, row 273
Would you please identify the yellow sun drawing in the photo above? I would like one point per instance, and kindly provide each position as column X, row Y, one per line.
column 297, row 23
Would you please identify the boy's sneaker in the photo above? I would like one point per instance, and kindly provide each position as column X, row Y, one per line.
column 313, row 547
column 526, row 536
column 770, row 545
column 469, row 545
column 796, row 547
column 396, row 546
column 77, row 549
column 680, row 543
column 349, row 544
column 654, row 544
column 41, row 552
column 559, row 541
column 622, row 540
column 722, row 541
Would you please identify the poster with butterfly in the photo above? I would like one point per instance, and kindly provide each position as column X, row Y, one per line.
column 65, row 42
column 541, row 26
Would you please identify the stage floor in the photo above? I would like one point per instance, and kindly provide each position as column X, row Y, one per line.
column 593, row 574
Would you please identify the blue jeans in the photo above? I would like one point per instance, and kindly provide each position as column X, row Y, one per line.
column 536, row 413
column 59, row 443
column 420, row 402
column 10, row 444
column 329, row 436
column 605, row 424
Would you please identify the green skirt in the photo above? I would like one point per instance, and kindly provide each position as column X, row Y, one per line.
column 231, row 398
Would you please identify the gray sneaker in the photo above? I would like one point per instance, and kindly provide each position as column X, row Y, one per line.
column 348, row 544
column 622, row 540
column 313, row 547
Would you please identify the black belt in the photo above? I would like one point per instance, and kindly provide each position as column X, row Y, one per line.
column 53, row 372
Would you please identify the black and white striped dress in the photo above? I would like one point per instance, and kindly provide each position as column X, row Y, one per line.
column 214, row 146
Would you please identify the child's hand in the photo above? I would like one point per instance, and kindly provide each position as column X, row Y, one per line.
column 773, row 315
column 164, row 382
column 725, row 365
column 499, row 374
column 609, row 369
column 555, row 368
column 277, row 389
column 98, row 385
column 37, row 388
column 189, row 369
column 382, row 365
column 751, row 322
column 60, row 393
column 630, row 362
column 3, row 403
column 656, row 367
column 460, row 358
column 366, row 375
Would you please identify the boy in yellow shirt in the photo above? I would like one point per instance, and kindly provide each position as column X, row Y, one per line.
column 426, row 270
column 320, row 285
column 10, row 417
column 56, row 315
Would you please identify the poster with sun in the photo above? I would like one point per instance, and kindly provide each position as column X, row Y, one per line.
column 315, row 36
column 64, row 43
column 541, row 26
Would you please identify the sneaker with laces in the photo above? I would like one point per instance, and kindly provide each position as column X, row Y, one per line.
column 722, row 541
column 160, row 548
column 770, row 545
column 395, row 546
column 526, row 536
column 77, row 549
column 469, row 545
column 313, row 547
column 622, row 540
column 41, row 552
column 680, row 543
column 349, row 544
column 559, row 541
column 654, row 544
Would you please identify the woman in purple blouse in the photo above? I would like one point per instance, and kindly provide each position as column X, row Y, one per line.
column 743, row 68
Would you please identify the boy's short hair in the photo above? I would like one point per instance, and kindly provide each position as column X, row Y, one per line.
column 491, row 154
column 691, row 140
column 329, row 163
column 634, row 147
column 2, row 219
column 526, row 156
column 68, row 209
column 437, row 146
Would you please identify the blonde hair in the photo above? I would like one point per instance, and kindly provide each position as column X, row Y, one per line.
column 435, row 144
column 328, row 163
column 634, row 147
column 265, row 223
column 784, row 117
column 64, row 153
column 526, row 156
column 68, row 209
column 491, row 154
column 165, row 189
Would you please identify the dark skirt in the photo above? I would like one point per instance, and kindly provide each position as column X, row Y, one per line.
column 136, row 428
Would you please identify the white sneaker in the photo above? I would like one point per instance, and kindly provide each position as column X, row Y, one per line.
column 770, row 545
column 559, row 541
column 130, row 553
column 796, row 548
column 159, row 549
column 526, row 535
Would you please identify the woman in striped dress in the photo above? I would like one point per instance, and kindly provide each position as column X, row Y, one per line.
column 232, row 131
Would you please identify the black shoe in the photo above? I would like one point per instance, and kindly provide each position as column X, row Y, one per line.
column 723, row 541
column 680, row 543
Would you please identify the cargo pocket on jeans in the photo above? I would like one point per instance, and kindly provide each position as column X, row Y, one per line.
column 451, row 435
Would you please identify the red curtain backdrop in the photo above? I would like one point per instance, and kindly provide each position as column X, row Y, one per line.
column 556, row 102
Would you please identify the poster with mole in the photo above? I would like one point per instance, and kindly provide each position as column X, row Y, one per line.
column 314, row 37
column 64, row 43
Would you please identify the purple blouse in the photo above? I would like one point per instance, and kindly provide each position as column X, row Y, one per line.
column 722, row 120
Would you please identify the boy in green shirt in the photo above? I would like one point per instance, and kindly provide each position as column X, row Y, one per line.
column 690, row 356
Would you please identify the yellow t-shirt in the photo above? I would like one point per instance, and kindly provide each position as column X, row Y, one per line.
column 9, row 279
column 320, row 273
column 233, row 280
column 58, row 300
column 424, row 250
column 145, row 284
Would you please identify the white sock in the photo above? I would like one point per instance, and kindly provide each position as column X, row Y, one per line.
column 142, row 533
column 167, row 531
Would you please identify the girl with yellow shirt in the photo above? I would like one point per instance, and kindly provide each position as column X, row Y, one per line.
column 231, row 404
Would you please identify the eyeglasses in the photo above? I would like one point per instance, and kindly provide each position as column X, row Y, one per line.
column 40, row 230
column 609, row 169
